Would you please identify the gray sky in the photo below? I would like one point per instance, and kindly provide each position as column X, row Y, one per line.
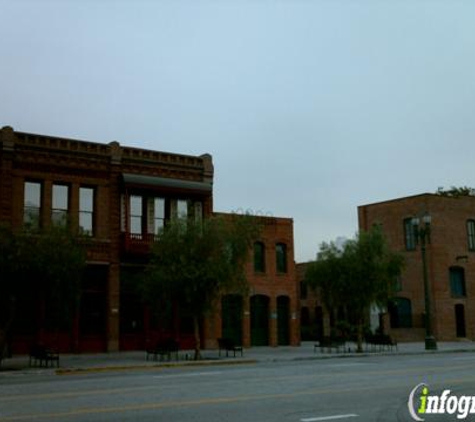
column 309, row 108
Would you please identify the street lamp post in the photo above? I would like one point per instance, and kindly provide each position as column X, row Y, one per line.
column 422, row 234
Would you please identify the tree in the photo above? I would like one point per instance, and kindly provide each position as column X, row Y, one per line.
column 456, row 192
column 194, row 262
column 360, row 275
column 324, row 274
column 48, row 264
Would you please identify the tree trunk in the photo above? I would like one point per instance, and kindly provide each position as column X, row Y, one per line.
column 196, row 325
column 359, row 336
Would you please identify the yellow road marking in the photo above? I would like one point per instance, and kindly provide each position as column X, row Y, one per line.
column 403, row 371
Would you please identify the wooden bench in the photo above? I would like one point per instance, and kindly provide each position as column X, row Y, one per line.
column 228, row 345
column 164, row 348
column 380, row 342
column 40, row 354
column 330, row 343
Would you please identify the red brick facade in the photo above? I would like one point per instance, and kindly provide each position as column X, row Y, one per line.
column 450, row 263
column 134, row 191
column 269, row 315
column 115, row 174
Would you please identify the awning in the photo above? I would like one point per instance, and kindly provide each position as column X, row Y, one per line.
column 139, row 179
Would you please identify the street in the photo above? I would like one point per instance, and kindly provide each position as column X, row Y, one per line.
column 351, row 389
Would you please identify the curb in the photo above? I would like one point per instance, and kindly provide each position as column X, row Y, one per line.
column 78, row 371
column 215, row 362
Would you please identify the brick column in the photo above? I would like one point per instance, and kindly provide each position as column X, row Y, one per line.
column 273, row 340
column 294, row 324
column 113, row 221
column 7, row 137
column 212, row 328
column 113, row 299
column 246, row 322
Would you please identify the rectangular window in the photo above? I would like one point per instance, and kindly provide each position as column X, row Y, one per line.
column 158, row 215
column 86, row 211
column 60, row 204
column 471, row 235
column 281, row 257
column 457, row 282
column 409, row 235
column 259, row 257
column 182, row 208
column 136, row 214
column 32, row 204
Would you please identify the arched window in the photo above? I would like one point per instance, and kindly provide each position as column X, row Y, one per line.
column 457, row 282
column 259, row 257
column 400, row 313
column 281, row 257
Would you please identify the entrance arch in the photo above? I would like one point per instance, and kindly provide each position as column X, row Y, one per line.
column 283, row 317
column 259, row 320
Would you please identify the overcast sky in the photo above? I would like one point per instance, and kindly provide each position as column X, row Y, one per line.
column 309, row 108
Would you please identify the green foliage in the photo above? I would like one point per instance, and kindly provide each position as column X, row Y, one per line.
column 363, row 273
column 194, row 262
column 45, row 263
column 456, row 192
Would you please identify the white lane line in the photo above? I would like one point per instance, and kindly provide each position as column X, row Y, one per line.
column 191, row 374
column 329, row 418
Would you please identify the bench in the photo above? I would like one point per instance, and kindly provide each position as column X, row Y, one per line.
column 329, row 343
column 228, row 345
column 380, row 342
column 164, row 348
column 40, row 354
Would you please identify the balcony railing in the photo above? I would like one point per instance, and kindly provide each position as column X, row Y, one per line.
column 138, row 243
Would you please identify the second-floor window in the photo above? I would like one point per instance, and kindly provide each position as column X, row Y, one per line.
column 86, row 210
column 281, row 257
column 409, row 235
column 471, row 235
column 182, row 208
column 158, row 215
column 60, row 205
column 457, row 282
column 259, row 257
column 32, row 204
column 136, row 214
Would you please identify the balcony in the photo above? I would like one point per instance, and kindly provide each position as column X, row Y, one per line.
column 137, row 243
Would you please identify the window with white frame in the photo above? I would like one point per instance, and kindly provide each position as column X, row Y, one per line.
column 136, row 214
column 32, row 204
column 86, row 210
column 60, row 205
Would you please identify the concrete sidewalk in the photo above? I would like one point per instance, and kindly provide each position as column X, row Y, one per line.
column 117, row 361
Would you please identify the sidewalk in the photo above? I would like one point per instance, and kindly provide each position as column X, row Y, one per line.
column 117, row 361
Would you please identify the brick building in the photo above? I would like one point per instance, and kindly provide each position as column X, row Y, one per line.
column 450, row 263
column 269, row 314
column 118, row 198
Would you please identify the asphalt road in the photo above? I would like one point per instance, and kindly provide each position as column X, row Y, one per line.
column 350, row 389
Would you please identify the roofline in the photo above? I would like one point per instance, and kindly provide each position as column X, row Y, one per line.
column 403, row 198
column 107, row 144
column 264, row 217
